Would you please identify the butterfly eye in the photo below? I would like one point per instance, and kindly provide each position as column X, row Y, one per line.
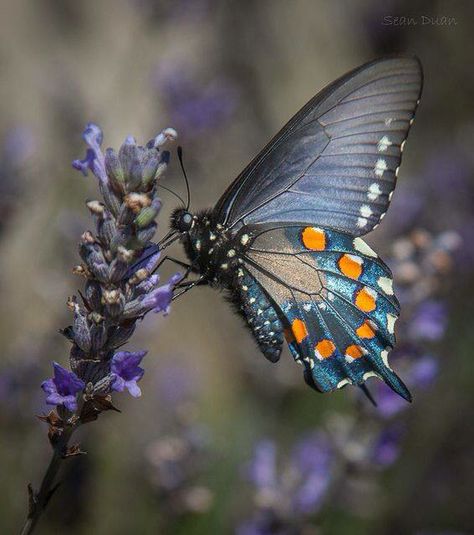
column 186, row 221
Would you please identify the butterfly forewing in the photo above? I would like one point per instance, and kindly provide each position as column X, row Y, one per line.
column 335, row 163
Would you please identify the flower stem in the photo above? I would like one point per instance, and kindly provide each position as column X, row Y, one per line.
column 38, row 501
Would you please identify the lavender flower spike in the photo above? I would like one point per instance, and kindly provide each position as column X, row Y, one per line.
column 118, row 265
column 62, row 389
column 126, row 371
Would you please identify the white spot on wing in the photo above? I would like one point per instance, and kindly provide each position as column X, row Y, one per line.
column 361, row 222
column 374, row 191
column 386, row 284
column 231, row 253
column 383, row 144
column 244, row 239
column 384, row 357
column 380, row 167
column 365, row 210
column 344, row 382
column 402, row 146
column 368, row 375
column 362, row 247
column 388, row 121
column 391, row 319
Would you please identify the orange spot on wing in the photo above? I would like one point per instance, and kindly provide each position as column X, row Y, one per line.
column 299, row 330
column 350, row 265
column 354, row 352
column 365, row 299
column 314, row 238
column 366, row 330
column 324, row 349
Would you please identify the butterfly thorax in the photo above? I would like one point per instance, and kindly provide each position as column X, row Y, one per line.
column 210, row 248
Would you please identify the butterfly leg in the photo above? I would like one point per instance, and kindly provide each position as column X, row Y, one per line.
column 187, row 285
column 175, row 261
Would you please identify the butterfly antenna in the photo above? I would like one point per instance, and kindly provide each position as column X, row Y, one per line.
column 366, row 391
column 180, row 158
column 172, row 193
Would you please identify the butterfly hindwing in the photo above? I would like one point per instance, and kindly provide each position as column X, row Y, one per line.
column 336, row 162
column 335, row 298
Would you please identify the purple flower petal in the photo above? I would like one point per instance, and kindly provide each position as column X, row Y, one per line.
column 159, row 300
column 94, row 160
column 62, row 388
column 126, row 371
column 147, row 260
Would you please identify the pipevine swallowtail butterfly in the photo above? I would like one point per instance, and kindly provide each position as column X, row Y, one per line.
column 285, row 237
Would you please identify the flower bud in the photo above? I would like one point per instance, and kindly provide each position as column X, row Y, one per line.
column 82, row 335
column 146, row 234
column 96, row 207
column 137, row 201
column 125, row 255
column 148, row 214
column 111, row 297
column 114, row 169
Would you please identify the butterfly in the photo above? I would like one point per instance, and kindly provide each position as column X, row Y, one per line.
column 285, row 237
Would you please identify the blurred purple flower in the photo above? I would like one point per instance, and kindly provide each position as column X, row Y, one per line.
column 387, row 446
column 420, row 375
column 312, row 457
column 126, row 371
column 177, row 383
column 429, row 321
column 449, row 172
column 406, row 207
column 424, row 371
column 62, row 388
column 262, row 468
column 388, row 403
column 19, row 145
column 192, row 106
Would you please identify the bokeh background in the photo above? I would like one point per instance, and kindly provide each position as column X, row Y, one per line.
column 221, row 440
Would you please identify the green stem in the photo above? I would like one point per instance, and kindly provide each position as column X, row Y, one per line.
column 39, row 500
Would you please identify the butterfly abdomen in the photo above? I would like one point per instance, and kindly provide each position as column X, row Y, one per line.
column 257, row 310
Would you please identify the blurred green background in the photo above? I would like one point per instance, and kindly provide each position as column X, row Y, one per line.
column 226, row 75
